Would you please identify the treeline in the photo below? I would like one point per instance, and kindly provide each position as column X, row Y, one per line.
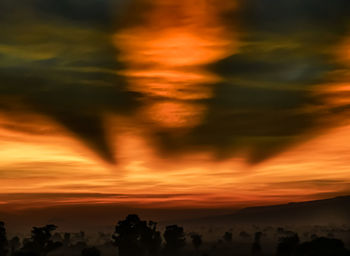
column 136, row 237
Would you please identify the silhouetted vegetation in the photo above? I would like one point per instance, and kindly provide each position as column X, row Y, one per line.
column 3, row 239
column 288, row 245
column 227, row 237
column 135, row 237
column 66, row 240
column 40, row 243
column 15, row 244
column 91, row 251
column 256, row 248
column 323, row 247
column 244, row 235
column 175, row 239
column 196, row 240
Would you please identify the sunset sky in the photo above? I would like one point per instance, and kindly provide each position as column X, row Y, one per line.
column 190, row 104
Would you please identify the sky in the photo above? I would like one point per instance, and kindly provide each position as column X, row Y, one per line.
column 173, row 104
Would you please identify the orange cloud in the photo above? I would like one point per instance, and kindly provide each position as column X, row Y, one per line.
column 166, row 54
column 166, row 61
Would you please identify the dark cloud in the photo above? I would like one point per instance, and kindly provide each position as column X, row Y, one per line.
column 61, row 63
column 264, row 106
column 63, row 69
column 297, row 15
column 91, row 11
column 77, row 107
column 97, row 13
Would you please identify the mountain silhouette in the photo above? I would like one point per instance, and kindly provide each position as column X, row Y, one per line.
column 326, row 211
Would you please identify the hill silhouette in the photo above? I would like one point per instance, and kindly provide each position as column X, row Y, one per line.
column 327, row 211
column 319, row 212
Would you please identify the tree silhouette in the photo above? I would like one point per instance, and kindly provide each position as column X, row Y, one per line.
column 15, row 244
column 288, row 245
column 153, row 239
column 196, row 240
column 81, row 236
column 57, row 237
column 175, row 239
column 323, row 246
column 40, row 242
column 80, row 245
column 134, row 237
column 66, row 239
column 3, row 239
column 244, row 235
column 91, row 251
column 256, row 248
column 227, row 237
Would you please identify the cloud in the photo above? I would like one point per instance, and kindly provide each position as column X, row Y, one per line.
column 61, row 63
column 289, row 16
column 62, row 70
column 266, row 102
column 16, row 202
column 54, row 196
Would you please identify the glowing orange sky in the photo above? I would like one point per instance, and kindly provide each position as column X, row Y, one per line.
column 166, row 54
column 53, row 164
column 167, row 63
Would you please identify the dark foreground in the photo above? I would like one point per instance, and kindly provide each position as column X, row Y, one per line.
column 135, row 237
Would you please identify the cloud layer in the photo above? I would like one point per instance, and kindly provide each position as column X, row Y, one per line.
column 60, row 61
